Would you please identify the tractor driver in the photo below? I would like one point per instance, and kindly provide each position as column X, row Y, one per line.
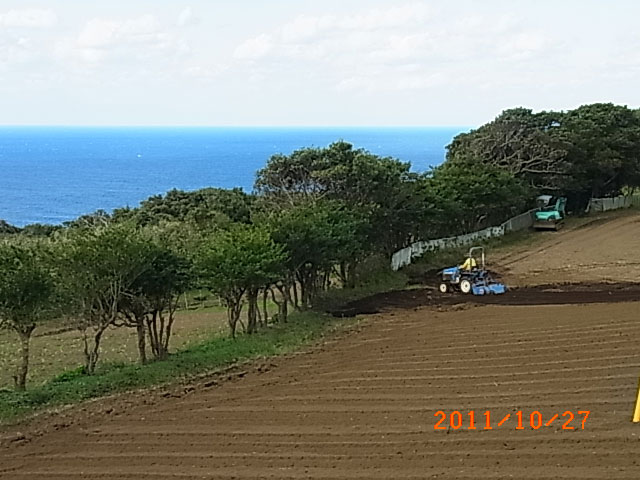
column 469, row 264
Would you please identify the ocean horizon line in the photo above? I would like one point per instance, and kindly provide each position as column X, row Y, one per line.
column 275, row 127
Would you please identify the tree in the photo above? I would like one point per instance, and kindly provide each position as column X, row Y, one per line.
column 152, row 299
column 7, row 229
column 382, row 187
column 100, row 266
column 476, row 195
column 527, row 145
column 205, row 207
column 317, row 236
column 40, row 230
column 236, row 262
column 27, row 296
column 99, row 218
column 605, row 149
column 590, row 151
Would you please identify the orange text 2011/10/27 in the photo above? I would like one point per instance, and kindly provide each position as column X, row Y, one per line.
column 472, row 420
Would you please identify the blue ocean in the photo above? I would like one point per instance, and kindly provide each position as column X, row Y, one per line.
column 54, row 174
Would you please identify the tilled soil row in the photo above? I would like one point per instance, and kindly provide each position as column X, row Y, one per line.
column 366, row 406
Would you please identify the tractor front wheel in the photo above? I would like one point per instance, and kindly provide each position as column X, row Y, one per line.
column 444, row 288
column 465, row 286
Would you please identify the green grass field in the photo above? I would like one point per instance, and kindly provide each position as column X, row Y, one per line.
column 56, row 349
column 200, row 343
column 219, row 350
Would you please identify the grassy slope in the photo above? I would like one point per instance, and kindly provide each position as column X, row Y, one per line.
column 72, row 387
column 55, row 349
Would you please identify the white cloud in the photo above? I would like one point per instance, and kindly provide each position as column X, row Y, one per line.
column 352, row 62
column 15, row 51
column 28, row 18
column 254, row 47
column 129, row 40
column 204, row 71
column 101, row 33
column 306, row 28
column 524, row 45
column 185, row 18
column 402, row 47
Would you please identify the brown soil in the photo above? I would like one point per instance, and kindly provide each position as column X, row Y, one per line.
column 605, row 249
column 363, row 406
column 567, row 294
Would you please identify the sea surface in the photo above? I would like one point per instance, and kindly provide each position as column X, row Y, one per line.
column 54, row 174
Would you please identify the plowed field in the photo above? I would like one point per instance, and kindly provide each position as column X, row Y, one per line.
column 364, row 406
column 604, row 249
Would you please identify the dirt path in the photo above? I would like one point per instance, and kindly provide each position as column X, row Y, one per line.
column 605, row 249
column 365, row 406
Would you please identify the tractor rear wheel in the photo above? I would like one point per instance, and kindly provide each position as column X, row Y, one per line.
column 465, row 286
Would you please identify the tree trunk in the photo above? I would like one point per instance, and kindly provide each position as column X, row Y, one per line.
column 283, row 309
column 141, row 332
column 351, row 275
column 343, row 274
column 231, row 321
column 169, row 328
column 159, row 330
column 265, row 313
column 307, row 278
column 282, row 303
column 162, row 337
column 92, row 352
column 20, row 377
column 259, row 313
column 283, row 306
column 252, row 297
column 300, row 280
column 294, row 287
column 234, row 309
column 152, row 330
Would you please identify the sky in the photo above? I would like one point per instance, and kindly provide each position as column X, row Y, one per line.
column 310, row 63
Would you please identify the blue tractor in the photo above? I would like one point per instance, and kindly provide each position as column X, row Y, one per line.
column 471, row 276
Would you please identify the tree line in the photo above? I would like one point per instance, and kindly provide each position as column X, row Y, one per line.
column 591, row 151
column 313, row 220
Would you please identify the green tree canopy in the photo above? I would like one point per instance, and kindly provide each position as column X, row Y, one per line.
column 99, row 266
column 383, row 187
column 151, row 301
column 316, row 236
column 7, row 229
column 590, row 151
column 605, row 149
column 27, row 294
column 204, row 207
column 232, row 262
column 525, row 144
column 474, row 195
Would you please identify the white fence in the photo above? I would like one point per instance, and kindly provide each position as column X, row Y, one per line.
column 525, row 220
column 613, row 203
column 404, row 257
